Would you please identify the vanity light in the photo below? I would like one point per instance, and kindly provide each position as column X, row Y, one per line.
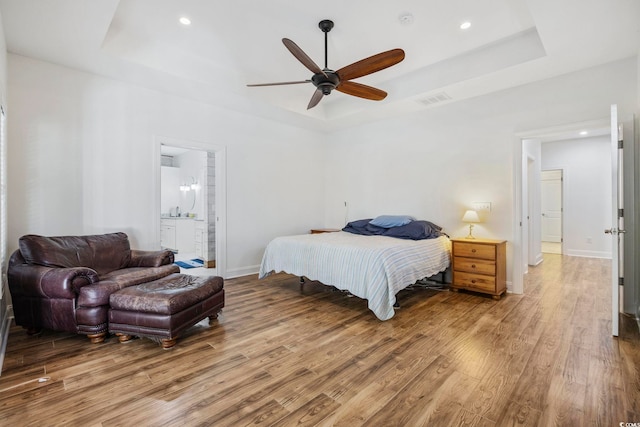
column 194, row 184
column 188, row 187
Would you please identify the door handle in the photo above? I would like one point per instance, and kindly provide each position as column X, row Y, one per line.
column 614, row 231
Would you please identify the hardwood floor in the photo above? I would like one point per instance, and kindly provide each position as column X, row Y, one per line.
column 276, row 357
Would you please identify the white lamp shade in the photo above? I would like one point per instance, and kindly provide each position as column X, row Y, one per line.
column 471, row 216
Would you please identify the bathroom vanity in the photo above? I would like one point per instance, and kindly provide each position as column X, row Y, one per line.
column 178, row 233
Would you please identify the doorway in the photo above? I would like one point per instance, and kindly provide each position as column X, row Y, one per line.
column 521, row 239
column 551, row 209
column 527, row 168
column 190, row 204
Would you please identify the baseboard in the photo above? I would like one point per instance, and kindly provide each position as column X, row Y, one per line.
column 244, row 271
column 539, row 259
column 588, row 254
column 4, row 334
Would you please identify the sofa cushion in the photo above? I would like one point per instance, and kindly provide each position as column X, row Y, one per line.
column 103, row 253
column 138, row 275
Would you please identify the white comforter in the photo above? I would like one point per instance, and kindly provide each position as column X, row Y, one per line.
column 371, row 267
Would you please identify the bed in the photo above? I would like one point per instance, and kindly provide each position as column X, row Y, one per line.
column 372, row 266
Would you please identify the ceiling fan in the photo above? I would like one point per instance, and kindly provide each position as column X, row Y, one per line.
column 325, row 80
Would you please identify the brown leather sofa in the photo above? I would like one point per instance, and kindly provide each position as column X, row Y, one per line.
column 64, row 283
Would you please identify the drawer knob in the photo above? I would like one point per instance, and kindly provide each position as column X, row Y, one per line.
column 473, row 266
column 473, row 250
column 473, row 280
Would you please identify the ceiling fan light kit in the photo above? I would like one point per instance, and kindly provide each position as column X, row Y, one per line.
column 325, row 79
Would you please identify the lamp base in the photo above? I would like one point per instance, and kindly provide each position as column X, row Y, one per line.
column 470, row 236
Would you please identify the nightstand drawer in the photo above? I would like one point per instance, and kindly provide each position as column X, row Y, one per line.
column 478, row 266
column 475, row 281
column 474, row 250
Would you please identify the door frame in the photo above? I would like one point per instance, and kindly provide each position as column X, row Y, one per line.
column 220, row 152
column 617, row 222
column 520, row 179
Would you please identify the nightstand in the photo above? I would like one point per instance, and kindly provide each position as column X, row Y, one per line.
column 479, row 265
column 323, row 230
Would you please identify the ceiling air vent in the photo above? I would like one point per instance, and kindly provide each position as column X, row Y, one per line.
column 435, row 98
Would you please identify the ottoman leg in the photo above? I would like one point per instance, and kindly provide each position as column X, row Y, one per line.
column 168, row 343
column 123, row 337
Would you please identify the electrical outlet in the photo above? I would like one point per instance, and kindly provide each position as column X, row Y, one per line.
column 481, row 206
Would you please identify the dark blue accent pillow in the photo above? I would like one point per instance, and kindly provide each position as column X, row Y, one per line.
column 358, row 227
column 415, row 230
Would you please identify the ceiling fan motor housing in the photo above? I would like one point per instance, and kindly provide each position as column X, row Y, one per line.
column 326, row 83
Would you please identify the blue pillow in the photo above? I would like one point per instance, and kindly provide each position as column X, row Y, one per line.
column 389, row 221
column 415, row 230
column 358, row 227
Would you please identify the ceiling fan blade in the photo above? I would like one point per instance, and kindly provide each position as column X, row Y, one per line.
column 362, row 91
column 280, row 83
column 371, row 64
column 317, row 96
column 302, row 57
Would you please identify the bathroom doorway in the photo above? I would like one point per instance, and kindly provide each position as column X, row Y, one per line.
column 190, row 205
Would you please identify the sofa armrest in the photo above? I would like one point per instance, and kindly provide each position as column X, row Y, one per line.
column 98, row 293
column 150, row 258
column 49, row 282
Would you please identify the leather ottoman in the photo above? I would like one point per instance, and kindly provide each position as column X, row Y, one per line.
column 163, row 308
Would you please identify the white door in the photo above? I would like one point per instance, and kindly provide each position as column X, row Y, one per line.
column 617, row 226
column 551, row 205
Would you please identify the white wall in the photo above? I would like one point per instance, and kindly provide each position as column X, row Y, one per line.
column 81, row 157
column 586, row 166
column 82, row 161
column 434, row 163
column 169, row 190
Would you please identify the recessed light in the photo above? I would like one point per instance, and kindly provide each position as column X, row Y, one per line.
column 584, row 132
column 184, row 20
column 465, row 25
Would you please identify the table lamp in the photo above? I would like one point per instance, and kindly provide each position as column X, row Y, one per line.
column 471, row 217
